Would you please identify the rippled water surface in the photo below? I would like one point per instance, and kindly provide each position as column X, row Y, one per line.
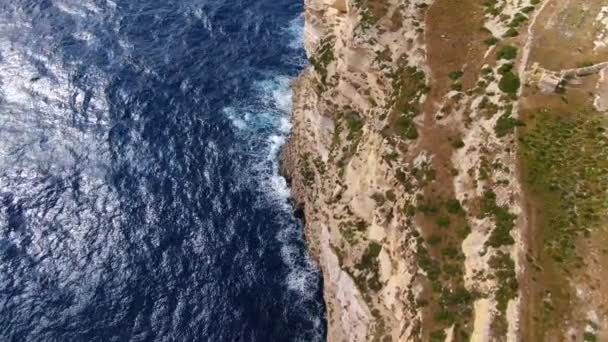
column 139, row 194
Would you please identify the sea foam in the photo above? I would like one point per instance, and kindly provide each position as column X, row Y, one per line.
column 266, row 121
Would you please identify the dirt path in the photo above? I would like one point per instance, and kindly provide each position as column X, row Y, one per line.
column 528, row 46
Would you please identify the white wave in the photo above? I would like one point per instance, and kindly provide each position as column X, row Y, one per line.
column 285, row 125
column 78, row 8
column 275, row 92
column 302, row 276
column 85, row 36
column 280, row 187
column 267, row 121
column 238, row 123
column 296, row 32
column 282, row 94
column 275, row 143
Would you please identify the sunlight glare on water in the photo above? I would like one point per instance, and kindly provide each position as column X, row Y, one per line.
column 140, row 198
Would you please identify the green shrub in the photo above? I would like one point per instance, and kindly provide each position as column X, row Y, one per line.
column 378, row 198
column 453, row 206
column 457, row 86
column 452, row 270
column 354, row 125
column 374, row 249
column 501, row 234
column 505, row 125
column 491, row 41
column 509, row 83
column 455, row 75
column 406, row 128
column 527, row 9
column 434, row 240
column 504, row 268
column 325, row 55
column 518, row 18
column 505, row 68
column 507, row 52
column 390, row 195
column 449, row 252
column 457, row 143
column 488, row 203
column 511, row 32
column 566, row 163
column 368, row 265
column 348, row 235
column 443, row 221
column 437, row 336
column 459, row 296
column 589, row 337
column 428, row 264
column 445, row 316
column 401, row 177
column 428, row 208
column 463, row 231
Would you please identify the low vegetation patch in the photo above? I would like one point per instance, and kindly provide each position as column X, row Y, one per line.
column 503, row 69
column 448, row 302
column 507, row 52
column 406, row 128
column 354, row 124
column 506, row 279
column 565, row 169
column 491, row 41
column 324, row 56
column 511, row 32
column 306, row 170
column 492, row 7
column 408, row 85
column 566, row 164
column 517, row 20
column 503, row 219
column 509, row 83
column 455, row 75
column 506, row 124
column 368, row 265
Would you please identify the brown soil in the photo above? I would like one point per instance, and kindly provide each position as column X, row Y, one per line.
column 555, row 28
column 454, row 42
column 565, row 33
column 563, row 38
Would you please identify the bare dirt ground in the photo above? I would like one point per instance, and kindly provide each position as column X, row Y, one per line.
column 566, row 32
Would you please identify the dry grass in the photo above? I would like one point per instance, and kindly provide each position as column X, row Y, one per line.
column 454, row 38
column 565, row 32
column 564, row 36
column 454, row 35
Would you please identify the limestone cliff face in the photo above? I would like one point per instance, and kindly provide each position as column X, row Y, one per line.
column 404, row 159
column 337, row 160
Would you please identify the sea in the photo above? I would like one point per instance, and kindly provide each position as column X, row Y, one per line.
column 140, row 194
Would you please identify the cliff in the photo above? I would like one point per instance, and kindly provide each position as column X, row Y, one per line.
column 414, row 156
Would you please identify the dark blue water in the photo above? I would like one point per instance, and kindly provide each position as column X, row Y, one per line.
column 139, row 194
